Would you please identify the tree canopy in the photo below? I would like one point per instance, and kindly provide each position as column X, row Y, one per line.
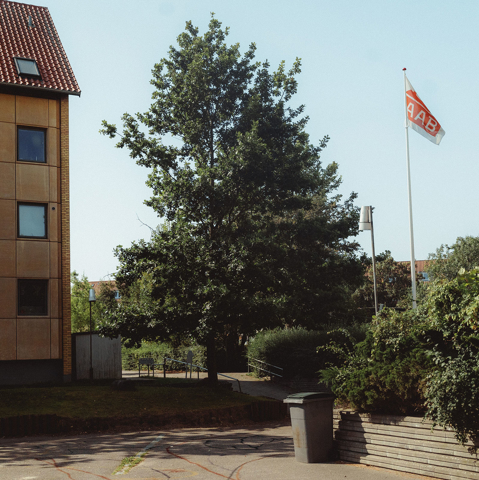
column 393, row 281
column 80, row 306
column 447, row 261
column 255, row 234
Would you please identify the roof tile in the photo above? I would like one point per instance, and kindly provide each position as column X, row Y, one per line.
column 39, row 42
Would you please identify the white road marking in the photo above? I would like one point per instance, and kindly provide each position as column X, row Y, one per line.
column 141, row 455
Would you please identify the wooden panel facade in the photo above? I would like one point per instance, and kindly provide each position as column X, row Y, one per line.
column 406, row 444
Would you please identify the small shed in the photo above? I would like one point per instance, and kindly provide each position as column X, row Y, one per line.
column 105, row 356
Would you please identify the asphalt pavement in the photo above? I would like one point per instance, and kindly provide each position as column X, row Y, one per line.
column 257, row 387
column 262, row 452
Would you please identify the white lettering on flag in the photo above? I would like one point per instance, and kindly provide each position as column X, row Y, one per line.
column 431, row 125
column 421, row 116
column 424, row 122
column 410, row 109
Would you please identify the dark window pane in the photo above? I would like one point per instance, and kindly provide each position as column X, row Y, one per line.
column 27, row 67
column 32, row 297
column 31, row 145
column 32, row 221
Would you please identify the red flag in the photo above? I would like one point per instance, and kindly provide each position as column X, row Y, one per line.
column 419, row 117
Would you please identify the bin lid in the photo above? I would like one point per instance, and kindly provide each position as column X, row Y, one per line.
column 304, row 397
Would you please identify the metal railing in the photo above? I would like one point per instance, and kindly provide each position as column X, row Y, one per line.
column 198, row 368
column 269, row 365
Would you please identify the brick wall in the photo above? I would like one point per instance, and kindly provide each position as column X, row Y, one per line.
column 65, row 236
column 29, row 337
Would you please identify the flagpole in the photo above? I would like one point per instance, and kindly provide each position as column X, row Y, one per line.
column 411, row 230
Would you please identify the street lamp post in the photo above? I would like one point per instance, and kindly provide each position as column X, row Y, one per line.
column 366, row 223
column 91, row 299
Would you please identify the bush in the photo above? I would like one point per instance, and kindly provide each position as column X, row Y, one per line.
column 295, row 349
column 380, row 377
column 422, row 359
column 453, row 394
column 131, row 356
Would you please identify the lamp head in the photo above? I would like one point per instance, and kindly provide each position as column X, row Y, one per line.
column 365, row 219
column 92, row 297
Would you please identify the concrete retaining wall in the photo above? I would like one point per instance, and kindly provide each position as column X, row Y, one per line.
column 406, row 444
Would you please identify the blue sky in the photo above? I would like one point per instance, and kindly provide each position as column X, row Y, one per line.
column 352, row 85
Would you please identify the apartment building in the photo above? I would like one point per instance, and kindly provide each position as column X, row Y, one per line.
column 36, row 80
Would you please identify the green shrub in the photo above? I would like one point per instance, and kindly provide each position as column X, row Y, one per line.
column 452, row 394
column 426, row 359
column 380, row 377
column 295, row 349
column 131, row 356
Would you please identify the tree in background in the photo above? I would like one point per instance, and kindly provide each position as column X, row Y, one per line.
column 80, row 306
column 80, row 309
column 448, row 260
column 393, row 284
column 255, row 236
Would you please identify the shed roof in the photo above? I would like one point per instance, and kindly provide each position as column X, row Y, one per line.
column 34, row 38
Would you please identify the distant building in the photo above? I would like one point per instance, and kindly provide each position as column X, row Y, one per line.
column 421, row 273
column 111, row 284
column 36, row 80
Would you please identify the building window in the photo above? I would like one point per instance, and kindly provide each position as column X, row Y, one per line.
column 33, row 297
column 117, row 295
column 31, row 145
column 32, row 220
column 425, row 277
column 27, row 66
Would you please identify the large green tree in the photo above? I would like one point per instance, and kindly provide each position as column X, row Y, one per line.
column 255, row 235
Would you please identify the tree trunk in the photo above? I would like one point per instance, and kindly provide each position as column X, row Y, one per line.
column 210, row 341
column 234, row 353
column 211, row 360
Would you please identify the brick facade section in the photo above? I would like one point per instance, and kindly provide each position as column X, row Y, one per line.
column 65, row 236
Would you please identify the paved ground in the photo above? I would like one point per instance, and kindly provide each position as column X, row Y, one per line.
column 258, row 453
column 262, row 452
column 249, row 384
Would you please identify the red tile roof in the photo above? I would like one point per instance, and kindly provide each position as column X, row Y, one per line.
column 39, row 42
column 420, row 264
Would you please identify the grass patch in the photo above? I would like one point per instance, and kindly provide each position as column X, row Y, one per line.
column 128, row 463
column 85, row 401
